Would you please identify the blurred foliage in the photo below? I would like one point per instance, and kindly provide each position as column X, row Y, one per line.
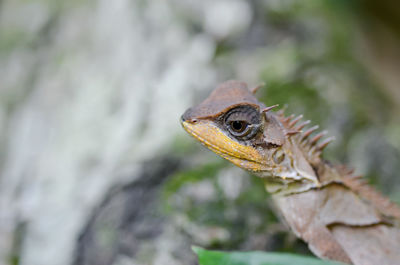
column 233, row 215
column 256, row 258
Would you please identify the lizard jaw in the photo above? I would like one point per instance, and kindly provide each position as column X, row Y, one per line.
column 243, row 156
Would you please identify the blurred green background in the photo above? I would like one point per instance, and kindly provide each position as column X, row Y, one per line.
column 94, row 167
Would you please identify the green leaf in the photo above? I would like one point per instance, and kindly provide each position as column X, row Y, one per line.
column 208, row 257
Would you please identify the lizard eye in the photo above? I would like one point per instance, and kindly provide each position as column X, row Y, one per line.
column 242, row 122
column 238, row 128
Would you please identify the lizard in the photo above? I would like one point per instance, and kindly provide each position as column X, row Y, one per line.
column 335, row 212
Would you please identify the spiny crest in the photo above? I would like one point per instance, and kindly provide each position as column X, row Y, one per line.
column 312, row 144
column 358, row 184
column 264, row 110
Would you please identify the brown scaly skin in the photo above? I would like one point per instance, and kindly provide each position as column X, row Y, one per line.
column 337, row 214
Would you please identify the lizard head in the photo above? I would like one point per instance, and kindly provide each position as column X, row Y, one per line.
column 232, row 123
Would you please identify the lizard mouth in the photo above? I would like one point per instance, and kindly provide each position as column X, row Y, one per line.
column 246, row 157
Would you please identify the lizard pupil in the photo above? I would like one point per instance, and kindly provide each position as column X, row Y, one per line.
column 243, row 122
column 238, row 126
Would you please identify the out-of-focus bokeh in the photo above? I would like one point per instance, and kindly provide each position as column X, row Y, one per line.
column 94, row 166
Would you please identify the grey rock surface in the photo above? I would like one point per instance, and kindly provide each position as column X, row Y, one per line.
column 88, row 93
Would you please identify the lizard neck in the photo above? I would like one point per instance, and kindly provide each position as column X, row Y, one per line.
column 306, row 163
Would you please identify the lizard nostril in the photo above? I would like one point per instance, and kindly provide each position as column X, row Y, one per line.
column 186, row 117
